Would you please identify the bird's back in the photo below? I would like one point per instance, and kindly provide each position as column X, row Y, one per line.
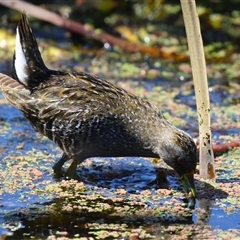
column 74, row 108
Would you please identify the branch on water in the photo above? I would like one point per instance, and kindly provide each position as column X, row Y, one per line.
column 83, row 29
column 219, row 148
column 224, row 147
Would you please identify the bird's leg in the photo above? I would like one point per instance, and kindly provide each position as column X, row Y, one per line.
column 57, row 168
column 71, row 171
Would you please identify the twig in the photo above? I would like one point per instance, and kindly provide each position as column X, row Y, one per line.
column 224, row 147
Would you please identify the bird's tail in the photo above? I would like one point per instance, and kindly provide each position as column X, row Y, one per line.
column 14, row 92
column 28, row 66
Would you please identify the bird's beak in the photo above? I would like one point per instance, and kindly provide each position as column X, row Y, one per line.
column 188, row 183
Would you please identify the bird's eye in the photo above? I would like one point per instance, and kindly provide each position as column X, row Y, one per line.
column 180, row 160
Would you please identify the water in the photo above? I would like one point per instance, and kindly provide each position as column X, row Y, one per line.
column 118, row 198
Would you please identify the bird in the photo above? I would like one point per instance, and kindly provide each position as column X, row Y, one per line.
column 87, row 116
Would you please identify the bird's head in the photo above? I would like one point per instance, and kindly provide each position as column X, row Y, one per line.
column 179, row 152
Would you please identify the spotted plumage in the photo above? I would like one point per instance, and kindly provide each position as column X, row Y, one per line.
column 90, row 117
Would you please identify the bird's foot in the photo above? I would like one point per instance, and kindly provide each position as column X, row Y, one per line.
column 72, row 171
column 161, row 178
column 57, row 167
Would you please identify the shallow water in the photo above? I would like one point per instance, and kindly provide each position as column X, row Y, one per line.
column 116, row 200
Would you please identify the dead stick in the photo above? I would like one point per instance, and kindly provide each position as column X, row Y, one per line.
column 79, row 28
column 223, row 147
